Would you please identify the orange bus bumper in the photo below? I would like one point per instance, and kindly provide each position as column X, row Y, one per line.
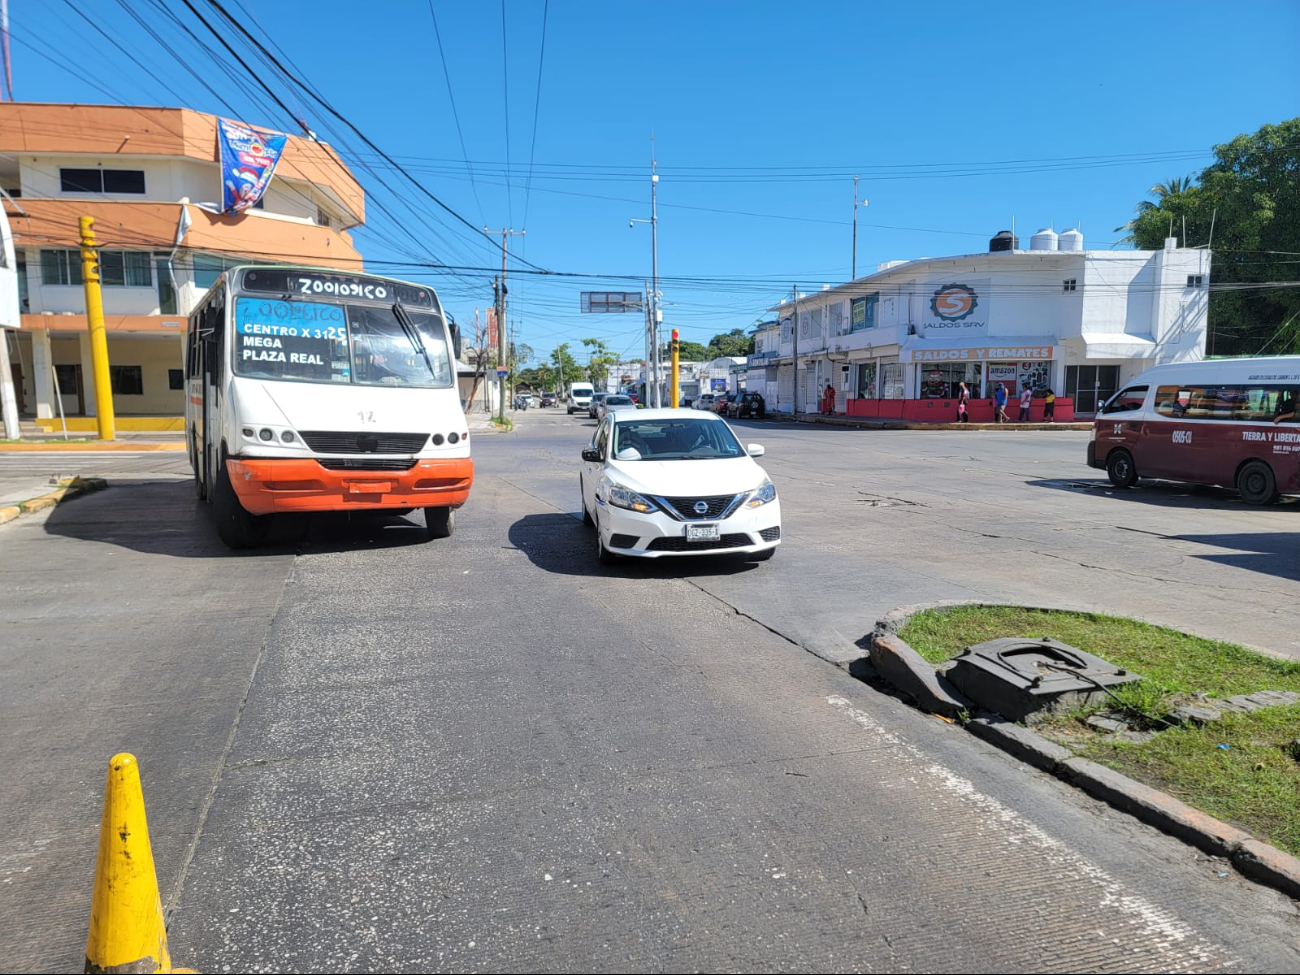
column 291, row 484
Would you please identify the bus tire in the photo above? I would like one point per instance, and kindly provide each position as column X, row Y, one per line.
column 1256, row 483
column 236, row 527
column 1120, row 468
column 440, row 522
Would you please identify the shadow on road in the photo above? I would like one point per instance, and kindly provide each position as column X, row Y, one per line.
column 1166, row 494
column 562, row 544
column 1272, row 553
column 162, row 517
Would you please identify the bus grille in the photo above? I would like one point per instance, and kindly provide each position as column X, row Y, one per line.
column 344, row 442
column 367, row 464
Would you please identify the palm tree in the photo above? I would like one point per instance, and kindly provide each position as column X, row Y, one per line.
column 1172, row 187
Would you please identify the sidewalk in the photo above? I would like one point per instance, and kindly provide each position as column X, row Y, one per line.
column 866, row 423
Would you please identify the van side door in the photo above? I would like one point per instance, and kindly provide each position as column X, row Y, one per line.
column 1120, row 424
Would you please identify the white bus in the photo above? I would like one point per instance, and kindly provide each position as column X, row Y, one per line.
column 317, row 390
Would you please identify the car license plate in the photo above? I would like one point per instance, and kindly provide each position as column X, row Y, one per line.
column 702, row 533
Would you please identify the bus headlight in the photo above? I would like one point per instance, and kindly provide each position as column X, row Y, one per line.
column 287, row 436
column 265, row 434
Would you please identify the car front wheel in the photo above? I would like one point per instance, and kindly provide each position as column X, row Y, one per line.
column 603, row 555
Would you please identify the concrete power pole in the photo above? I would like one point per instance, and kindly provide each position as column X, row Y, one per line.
column 505, row 233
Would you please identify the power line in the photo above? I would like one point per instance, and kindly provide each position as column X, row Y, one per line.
column 541, row 59
column 454, row 114
column 505, row 90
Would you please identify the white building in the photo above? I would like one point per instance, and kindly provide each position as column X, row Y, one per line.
column 1081, row 322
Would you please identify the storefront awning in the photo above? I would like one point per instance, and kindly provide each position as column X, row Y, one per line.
column 977, row 349
column 1117, row 345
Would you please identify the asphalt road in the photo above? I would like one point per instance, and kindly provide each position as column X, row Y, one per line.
column 364, row 751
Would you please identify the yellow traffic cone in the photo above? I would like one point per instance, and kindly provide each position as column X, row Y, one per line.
column 127, row 933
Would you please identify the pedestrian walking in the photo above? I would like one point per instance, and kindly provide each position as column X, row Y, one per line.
column 1000, row 404
column 828, row 400
column 1026, row 398
column 1049, row 406
column 963, row 398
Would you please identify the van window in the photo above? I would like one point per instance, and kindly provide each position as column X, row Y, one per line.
column 1126, row 400
column 1251, row 403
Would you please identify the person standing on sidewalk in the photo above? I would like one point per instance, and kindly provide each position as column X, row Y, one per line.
column 1026, row 398
column 1000, row 404
column 828, row 400
column 1049, row 406
column 963, row 398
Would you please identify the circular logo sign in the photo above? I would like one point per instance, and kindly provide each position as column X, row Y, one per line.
column 701, row 507
column 953, row 302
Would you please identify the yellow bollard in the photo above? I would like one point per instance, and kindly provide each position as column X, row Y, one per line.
column 127, row 933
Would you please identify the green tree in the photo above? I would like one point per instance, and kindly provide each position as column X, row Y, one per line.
column 563, row 360
column 735, row 342
column 1251, row 196
column 599, row 359
column 689, row 351
column 1162, row 192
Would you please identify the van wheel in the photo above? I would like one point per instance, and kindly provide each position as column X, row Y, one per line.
column 1120, row 469
column 1256, row 483
column 440, row 522
column 235, row 526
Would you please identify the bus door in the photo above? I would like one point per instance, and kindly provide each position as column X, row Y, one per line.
column 1120, row 424
column 212, row 327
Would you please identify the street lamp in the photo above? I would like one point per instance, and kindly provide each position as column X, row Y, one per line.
column 856, row 204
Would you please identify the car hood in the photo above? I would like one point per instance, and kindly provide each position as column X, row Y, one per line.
column 688, row 478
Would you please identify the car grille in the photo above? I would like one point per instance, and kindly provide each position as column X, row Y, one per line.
column 622, row 541
column 679, row 544
column 771, row 534
column 345, row 442
column 368, row 464
column 718, row 507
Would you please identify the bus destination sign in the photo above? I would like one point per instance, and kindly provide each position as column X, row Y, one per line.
column 289, row 282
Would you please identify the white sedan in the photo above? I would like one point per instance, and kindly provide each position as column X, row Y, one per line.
column 613, row 403
column 670, row 482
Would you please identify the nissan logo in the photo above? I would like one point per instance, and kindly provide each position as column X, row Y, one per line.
column 701, row 507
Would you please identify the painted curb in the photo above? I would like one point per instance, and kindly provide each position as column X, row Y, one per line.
column 1254, row 859
column 74, row 488
column 57, row 445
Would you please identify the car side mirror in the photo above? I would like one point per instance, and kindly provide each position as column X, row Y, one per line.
column 755, row 449
column 591, row 455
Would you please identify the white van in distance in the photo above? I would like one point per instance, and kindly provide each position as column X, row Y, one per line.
column 579, row 397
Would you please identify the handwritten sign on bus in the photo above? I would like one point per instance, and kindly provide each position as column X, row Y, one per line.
column 292, row 338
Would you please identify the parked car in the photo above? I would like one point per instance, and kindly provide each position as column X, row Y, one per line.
column 719, row 405
column 646, row 501
column 549, row 399
column 703, row 402
column 613, row 403
column 595, row 404
column 633, row 395
column 747, row 405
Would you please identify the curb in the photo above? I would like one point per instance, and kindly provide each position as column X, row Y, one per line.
column 866, row 423
column 1252, row 858
column 58, row 445
column 74, row 488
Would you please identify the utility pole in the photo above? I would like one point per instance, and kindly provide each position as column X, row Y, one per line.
column 653, row 311
column 794, row 337
column 856, row 204
column 505, row 233
column 98, row 337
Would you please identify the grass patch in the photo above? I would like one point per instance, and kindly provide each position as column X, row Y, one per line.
column 1254, row 783
column 503, row 423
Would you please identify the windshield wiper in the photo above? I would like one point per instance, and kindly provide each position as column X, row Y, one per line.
column 413, row 334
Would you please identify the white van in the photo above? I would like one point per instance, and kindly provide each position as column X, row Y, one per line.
column 579, row 397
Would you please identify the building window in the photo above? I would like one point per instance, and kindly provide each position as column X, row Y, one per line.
column 1195, row 280
column 101, row 180
column 323, row 218
column 863, row 312
column 126, row 269
column 60, row 267
column 1069, row 284
column 127, row 380
column 14, row 193
column 175, row 379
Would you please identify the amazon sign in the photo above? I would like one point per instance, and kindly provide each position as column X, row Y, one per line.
column 957, row 308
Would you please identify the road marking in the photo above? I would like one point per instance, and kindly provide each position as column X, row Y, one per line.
column 1164, row 933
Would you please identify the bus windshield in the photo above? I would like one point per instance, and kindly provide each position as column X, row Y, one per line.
column 339, row 342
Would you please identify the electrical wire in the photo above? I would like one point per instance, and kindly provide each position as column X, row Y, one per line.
column 454, row 114
column 537, row 104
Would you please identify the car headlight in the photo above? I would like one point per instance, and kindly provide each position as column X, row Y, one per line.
column 624, row 497
column 766, row 492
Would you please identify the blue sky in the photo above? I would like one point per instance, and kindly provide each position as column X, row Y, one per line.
column 957, row 117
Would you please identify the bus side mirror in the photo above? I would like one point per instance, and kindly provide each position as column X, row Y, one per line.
column 455, row 340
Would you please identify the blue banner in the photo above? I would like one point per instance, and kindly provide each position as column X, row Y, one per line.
column 248, row 159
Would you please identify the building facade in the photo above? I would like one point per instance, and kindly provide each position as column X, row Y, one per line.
column 1080, row 322
column 149, row 178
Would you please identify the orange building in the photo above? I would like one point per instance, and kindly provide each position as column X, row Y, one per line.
column 150, row 177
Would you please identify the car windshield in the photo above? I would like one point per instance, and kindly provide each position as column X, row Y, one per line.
column 683, row 439
column 617, row 401
column 328, row 342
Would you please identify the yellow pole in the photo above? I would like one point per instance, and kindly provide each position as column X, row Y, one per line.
column 98, row 337
column 672, row 376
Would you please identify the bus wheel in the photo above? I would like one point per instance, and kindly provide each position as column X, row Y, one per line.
column 440, row 522
column 1256, row 483
column 236, row 527
column 1121, row 469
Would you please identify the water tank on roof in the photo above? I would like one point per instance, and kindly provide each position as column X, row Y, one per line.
column 1070, row 240
column 1044, row 240
column 1004, row 240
